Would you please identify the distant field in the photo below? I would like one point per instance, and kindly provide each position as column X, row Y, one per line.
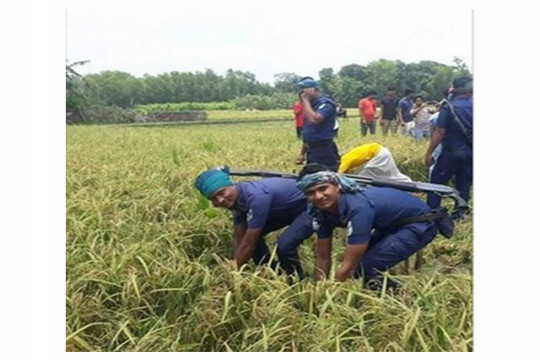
column 255, row 115
column 146, row 256
column 214, row 115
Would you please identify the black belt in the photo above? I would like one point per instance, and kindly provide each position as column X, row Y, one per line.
column 440, row 216
column 432, row 215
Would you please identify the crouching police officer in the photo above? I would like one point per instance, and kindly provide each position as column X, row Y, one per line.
column 260, row 207
column 402, row 224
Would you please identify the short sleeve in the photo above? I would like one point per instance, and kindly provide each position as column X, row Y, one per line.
column 326, row 109
column 258, row 209
column 238, row 217
column 444, row 117
column 359, row 226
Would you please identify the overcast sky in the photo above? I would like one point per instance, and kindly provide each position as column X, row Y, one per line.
column 281, row 37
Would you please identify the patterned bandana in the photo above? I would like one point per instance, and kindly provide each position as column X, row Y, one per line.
column 212, row 180
column 345, row 184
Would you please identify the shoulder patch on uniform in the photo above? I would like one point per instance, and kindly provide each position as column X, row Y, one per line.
column 349, row 228
column 315, row 224
column 321, row 106
column 249, row 215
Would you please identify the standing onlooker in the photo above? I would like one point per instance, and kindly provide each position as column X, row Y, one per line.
column 336, row 128
column 421, row 117
column 366, row 107
column 432, row 124
column 456, row 157
column 298, row 110
column 389, row 114
column 341, row 112
column 404, row 112
column 319, row 126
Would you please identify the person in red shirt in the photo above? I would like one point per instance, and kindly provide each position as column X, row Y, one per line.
column 298, row 110
column 366, row 107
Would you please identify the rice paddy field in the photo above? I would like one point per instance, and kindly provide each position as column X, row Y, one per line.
column 147, row 264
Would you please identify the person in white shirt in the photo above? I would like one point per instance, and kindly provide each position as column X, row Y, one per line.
column 421, row 117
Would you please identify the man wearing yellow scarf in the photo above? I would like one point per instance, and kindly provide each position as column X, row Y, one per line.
column 375, row 159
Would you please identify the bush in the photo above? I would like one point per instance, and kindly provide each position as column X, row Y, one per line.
column 263, row 102
column 247, row 102
column 111, row 114
column 172, row 107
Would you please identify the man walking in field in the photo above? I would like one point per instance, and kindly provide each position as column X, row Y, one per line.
column 319, row 125
column 375, row 160
column 454, row 130
column 385, row 225
column 366, row 108
column 389, row 115
column 258, row 208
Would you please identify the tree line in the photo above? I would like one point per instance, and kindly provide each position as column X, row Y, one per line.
column 347, row 85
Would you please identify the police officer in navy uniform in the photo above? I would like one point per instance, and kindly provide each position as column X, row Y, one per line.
column 385, row 226
column 258, row 208
column 319, row 122
column 456, row 158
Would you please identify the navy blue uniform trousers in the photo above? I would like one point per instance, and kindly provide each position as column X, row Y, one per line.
column 387, row 249
column 299, row 229
column 458, row 162
column 325, row 153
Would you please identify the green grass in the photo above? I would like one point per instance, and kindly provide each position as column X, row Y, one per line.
column 147, row 265
column 217, row 115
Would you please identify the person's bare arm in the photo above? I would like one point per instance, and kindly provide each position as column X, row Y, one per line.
column 436, row 138
column 310, row 114
column 246, row 247
column 416, row 110
column 323, row 258
column 399, row 116
column 302, row 156
column 351, row 257
column 360, row 113
column 238, row 233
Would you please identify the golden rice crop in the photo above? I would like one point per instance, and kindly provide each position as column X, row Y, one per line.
column 147, row 265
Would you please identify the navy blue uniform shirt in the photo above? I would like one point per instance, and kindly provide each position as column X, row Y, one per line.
column 374, row 208
column 464, row 110
column 272, row 200
column 325, row 129
column 406, row 105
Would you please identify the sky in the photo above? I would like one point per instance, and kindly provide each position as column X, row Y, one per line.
column 281, row 37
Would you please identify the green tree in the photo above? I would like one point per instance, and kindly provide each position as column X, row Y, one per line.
column 350, row 91
column 381, row 75
column 115, row 88
column 352, row 84
column 76, row 100
column 328, row 81
column 461, row 68
column 284, row 82
column 354, row 71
